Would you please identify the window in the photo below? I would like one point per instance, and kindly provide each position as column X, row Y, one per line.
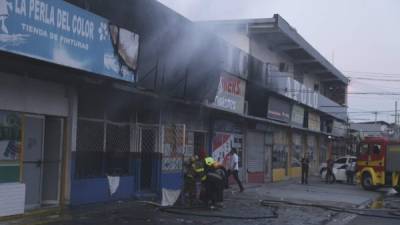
column 316, row 87
column 103, row 148
column 376, row 149
column 89, row 149
column 341, row 161
column 364, row 149
column 10, row 145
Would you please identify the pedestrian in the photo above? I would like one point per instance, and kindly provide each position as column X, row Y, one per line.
column 329, row 178
column 234, row 168
column 350, row 170
column 304, row 168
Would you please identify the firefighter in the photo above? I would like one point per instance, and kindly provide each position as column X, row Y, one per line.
column 214, row 182
column 194, row 174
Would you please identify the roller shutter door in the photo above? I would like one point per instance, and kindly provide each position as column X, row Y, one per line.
column 255, row 156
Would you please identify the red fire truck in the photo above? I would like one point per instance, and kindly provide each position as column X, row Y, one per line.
column 378, row 163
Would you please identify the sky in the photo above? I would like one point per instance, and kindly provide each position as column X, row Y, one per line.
column 360, row 37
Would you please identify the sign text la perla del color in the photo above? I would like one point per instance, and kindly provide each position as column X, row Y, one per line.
column 58, row 32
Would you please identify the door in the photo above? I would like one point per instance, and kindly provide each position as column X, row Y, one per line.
column 53, row 143
column 255, row 157
column 268, row 157
column 147, row 148
column 32, row 159
column 268, row 163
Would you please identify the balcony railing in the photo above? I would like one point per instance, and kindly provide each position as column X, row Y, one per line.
column 283, row 83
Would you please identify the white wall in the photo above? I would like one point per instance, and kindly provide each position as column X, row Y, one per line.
column 234, row 34
column 259, row 47
column 23, row 94
column 12, row 199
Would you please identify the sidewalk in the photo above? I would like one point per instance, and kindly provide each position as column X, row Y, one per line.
column 236, row 204
column 317, row 190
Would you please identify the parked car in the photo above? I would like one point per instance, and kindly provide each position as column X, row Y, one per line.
column 339, row 167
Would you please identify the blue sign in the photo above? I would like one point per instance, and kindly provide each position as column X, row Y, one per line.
column 58, row 32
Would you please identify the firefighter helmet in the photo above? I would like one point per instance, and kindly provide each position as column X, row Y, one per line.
column 209, row 161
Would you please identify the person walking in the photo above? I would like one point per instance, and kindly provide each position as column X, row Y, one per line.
column 234, row 168
column 350, row 170
column 329, row 178
column 305, row 162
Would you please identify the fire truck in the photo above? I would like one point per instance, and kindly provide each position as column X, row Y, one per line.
column 378, row 163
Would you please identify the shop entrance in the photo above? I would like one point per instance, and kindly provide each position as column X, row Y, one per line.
column 199, row 143
column 148, row 143
column 255, row 147
column 43, row 142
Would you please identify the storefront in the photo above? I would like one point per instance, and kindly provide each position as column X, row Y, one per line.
column 312, row 150
column 314, row 124
column 32, row 139
column 280, row 154
column 256, row 156
column 279, row 110
column 228, row 135
column 296, row 154
column 39, row 101
column 227, row 129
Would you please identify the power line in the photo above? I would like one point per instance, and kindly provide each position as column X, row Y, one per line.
column 374, row 79
column 375, row 73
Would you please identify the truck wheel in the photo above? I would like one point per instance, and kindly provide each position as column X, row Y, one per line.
column 366, row 182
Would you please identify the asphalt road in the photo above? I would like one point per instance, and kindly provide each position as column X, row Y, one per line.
column 247, row 204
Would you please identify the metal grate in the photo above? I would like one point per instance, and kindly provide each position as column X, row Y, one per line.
column 173, row 148
column 117, row 149
column 148, row 148
column 89, row 149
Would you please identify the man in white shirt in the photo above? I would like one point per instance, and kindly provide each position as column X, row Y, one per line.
column 234, row 168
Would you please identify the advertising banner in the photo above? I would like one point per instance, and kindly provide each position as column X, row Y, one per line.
column 339, row 128
column 278, row 110
column 10, row 136
column 298, row 115
column 230, row 94
column 223, row 143
column 58, row 32
column 314, row 121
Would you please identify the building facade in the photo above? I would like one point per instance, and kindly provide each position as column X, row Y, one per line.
column 299, row 96
column 106, row 108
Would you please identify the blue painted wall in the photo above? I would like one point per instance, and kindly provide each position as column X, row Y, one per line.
column 92, row 190
column 172, row 181
column 96, row 190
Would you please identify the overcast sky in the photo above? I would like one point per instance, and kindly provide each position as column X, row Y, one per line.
column 356, row 35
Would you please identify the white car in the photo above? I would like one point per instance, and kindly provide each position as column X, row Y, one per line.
column 339, row 167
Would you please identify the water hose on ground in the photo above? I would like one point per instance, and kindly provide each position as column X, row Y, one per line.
column 185, row 211
column 359, row 212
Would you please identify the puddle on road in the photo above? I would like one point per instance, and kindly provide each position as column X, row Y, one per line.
column 384, row 200
column 377, row 203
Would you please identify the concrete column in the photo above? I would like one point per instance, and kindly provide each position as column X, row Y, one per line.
column 290, row 151
column 70, row 144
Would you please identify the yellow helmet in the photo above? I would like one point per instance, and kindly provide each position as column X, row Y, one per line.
column 209, row 161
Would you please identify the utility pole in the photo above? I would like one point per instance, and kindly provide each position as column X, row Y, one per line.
column 376, row 116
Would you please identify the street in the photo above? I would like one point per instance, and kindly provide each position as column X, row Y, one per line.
column 239, row 208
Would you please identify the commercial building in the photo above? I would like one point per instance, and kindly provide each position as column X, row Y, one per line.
column 295, row 97
column 95, row 107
